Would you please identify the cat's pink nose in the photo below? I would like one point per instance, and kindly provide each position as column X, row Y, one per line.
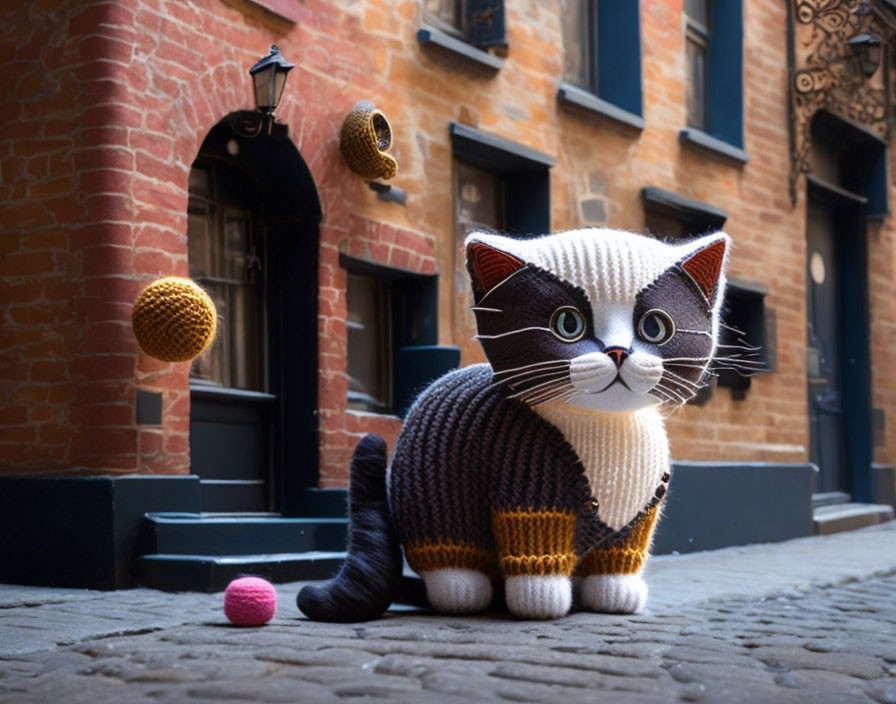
column 617, row 354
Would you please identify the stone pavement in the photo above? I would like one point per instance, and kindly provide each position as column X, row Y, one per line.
column 809, row 620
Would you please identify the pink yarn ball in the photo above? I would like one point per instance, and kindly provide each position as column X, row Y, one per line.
column 250, row 601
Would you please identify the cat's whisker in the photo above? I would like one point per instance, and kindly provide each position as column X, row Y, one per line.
column 534, row 364
column 543, row 376
column 734, row 330
column 535, row 388
column 694, row 332
column 530, row 376
column 545, row 388
column 686, row 359
column 483, row 309
column 676, row 393
column 568, row 395
column 682, row 365
column 667, row 399
column 682, row 380
column 533, row 374
column 740, row 372
column 549, row 395
column 510, row 332
column 739, row 361
column 745, row 347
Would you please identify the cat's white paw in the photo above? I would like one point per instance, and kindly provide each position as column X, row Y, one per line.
column 457, row 590
column 540, row 596
column 614, row 593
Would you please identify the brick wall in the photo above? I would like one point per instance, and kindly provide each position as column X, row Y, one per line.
column 95, row 167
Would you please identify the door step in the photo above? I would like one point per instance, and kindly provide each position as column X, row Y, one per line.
column 834, row 518
column 830, row 498
column 212, row 573
column 203, row 534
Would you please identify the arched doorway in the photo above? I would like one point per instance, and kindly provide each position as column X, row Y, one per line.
column 253, row 245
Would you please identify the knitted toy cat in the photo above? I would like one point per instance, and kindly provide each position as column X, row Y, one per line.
column 551, row 461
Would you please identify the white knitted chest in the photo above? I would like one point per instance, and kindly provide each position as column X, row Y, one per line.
column 624, row 454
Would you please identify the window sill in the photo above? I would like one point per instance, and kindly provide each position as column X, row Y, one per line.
column 211, row 391
column 570, row 95
column 699, row 138
column 430, row 36
column 385, row 415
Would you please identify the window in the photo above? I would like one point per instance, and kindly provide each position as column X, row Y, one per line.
column 579, row 20
column 478, row 205
column 466, row 29
column 392, row 330
column 225, row 256
column 748, row 322
column 602, row 59
column 498, row 185
column 714, row 81
column 696, row 45
column 368, row 302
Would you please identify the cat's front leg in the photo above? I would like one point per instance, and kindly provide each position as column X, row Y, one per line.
column 611, row 576
column 537, row 557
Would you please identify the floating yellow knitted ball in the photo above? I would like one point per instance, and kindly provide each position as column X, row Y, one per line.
column 174, row 319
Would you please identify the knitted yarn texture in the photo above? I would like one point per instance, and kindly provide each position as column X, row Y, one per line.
column 174, row 320
column 364, row 140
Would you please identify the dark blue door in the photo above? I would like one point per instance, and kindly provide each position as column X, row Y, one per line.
column 824, row 353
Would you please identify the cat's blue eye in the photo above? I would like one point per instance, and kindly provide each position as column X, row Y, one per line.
column 568, row 324
column 656, row 327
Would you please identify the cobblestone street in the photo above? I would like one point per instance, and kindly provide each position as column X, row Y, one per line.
column 810, row 620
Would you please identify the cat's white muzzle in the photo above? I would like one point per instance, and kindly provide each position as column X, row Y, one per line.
column 604, row 386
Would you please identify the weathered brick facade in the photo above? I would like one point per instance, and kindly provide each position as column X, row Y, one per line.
column 103, row 108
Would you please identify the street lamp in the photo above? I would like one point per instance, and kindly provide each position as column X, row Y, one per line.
column 868, row 50
column 269, row 78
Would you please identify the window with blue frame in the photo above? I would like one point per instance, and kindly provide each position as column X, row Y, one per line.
column 467, row 29
column 602, row 58
column 714, row 80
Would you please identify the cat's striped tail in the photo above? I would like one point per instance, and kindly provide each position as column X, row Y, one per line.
column 369, row 578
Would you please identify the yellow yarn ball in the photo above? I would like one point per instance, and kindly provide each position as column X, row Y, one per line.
column 174, row 319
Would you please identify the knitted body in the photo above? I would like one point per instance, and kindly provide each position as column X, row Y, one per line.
column 551, row 460
column 506, row 495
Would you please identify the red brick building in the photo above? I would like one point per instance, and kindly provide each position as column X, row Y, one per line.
column 128, row 152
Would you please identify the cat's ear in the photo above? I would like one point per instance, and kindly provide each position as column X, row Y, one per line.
column 489, row 266
column 705, row 264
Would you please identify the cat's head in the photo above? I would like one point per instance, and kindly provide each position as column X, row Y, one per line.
column 601, row 319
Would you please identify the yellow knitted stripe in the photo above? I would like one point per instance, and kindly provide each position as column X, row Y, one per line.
column 535, row 542
column 625, row 558
column 427, row 555
column 617, row 560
